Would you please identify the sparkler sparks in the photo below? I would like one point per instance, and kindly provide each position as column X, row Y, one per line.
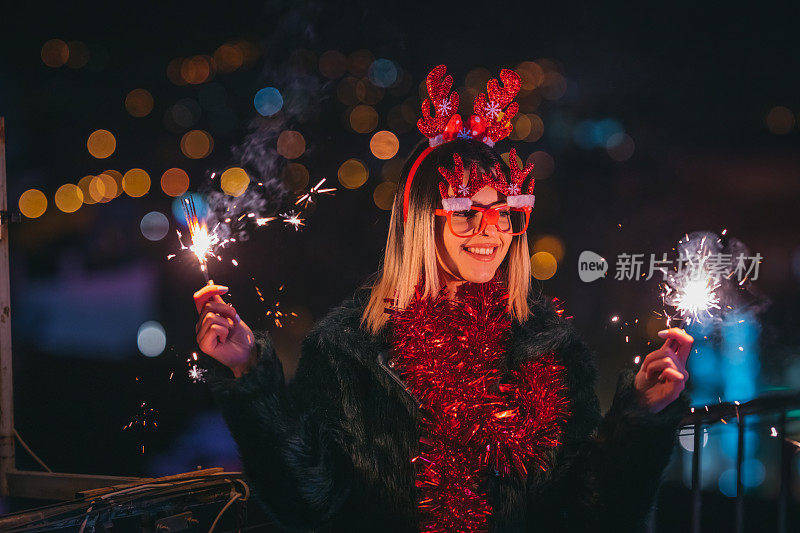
column 313, row 192
column 692, row 291
column 293, row 219
column 204, row 242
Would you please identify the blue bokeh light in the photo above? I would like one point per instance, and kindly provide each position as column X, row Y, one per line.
column 383, row 73
column 268, row 101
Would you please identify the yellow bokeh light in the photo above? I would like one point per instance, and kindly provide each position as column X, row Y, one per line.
column 363, row 119
column 69, row 198
column 117, row 175
column 295, row 176
column 174, row 71
column 139, row 102
column 384, row 145
column 367, row 92
column 175, row 182
column 228, row 58
column 780, row 120
column 196, row 70
column 359, row 61
column 543, row 164
column 197, row 144
column 291, row 144
column 353, row 174
column 505, row 155
column 383, row 195
column 522, row 127
column 346, row 91
column 234, row 181
column 32, row 203
column 531, row 75
column 550, row 244
column 136, row 182
column 103, row 188
column 101, row 144
column 84, row 183
column 537, row 128
column 55, row 53
column 543, row 265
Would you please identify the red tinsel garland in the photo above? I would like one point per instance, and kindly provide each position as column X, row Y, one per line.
column 481, row 420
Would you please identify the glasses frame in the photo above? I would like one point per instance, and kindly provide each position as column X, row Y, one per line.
column 494, row 215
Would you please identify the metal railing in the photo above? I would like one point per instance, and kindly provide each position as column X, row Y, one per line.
column 706, row 416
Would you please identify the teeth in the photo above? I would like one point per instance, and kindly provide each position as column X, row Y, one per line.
column 481, row 251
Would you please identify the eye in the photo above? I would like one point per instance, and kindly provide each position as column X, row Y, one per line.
column 465, row 214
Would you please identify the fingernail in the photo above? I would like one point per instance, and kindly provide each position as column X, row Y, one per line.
column 663, row 333
column 237, row 317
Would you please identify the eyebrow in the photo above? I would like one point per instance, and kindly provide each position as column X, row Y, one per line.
column 489, row 205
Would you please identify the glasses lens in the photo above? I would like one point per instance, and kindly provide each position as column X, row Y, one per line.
column 465, row 223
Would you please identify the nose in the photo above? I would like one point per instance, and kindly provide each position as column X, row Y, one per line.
column 490, row 230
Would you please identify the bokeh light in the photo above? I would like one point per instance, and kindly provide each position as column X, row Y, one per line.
column 151, row 339
column 522, row 127
column 174, row 181
column 101, row 144
column 383, row 73
column 543, row 164
column 505, row 157
column 197, row 144
column 295, row 176
column 384, row 145
column 392, row 169
column 363, row 119
column 550, row 244
column 228, row 57
column 136, row 182
column 117, row 175
column 368, row 93
column 383, row 195
column 197, row 69
column 85, row 184
column 268, row 101
column 358, row 62
column 537, row 128
column 780, row 120
column 139, row 102
column 102, row 188
column 346, row 91
column 185, row 113
column 69, row 198
column 55, row 53
column 332, row 64
column 620, row 147
column 543, row 265
column 32, row 203
column 78, row 54
column 174, row 71
column 531, row 74
column 352, row 174
column 291, row 144
column 234, row 181
column 154, row 226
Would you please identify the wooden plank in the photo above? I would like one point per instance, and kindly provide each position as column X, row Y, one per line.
column 176, row 477
column 7, row 463
column 58, row 486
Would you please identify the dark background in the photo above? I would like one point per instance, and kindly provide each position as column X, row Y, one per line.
column 692, row 86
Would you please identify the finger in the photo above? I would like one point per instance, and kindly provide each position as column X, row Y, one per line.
column 207, row 293
column 208, row 342
column 670, row 374
column 211, row 319
column 664, row 351
column 679, row 340
column 220, row 309
column 657, row 366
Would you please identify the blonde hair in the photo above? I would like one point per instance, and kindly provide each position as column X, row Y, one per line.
column 410, row 255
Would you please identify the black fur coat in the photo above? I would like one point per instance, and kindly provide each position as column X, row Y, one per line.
column 332, row 450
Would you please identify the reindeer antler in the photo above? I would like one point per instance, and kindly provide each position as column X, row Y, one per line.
column 444, row 102
column 494, row 112
column 455, row 178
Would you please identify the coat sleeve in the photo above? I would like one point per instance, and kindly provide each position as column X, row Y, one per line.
column 288, row 436
column 608, row 469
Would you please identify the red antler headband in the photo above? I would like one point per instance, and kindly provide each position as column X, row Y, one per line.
column 490, row 123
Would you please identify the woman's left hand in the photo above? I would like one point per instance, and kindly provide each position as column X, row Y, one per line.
column 663, row 374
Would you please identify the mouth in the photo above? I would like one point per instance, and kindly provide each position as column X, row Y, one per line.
column 482, row 252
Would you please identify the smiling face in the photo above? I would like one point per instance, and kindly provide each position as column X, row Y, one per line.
column 466, row 258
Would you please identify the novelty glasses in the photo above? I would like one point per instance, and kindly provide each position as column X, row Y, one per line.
column 475, row 220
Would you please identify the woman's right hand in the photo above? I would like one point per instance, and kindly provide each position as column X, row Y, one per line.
column 221, row 333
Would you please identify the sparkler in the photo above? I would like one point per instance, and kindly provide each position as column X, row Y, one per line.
column 692, row 291
column 203, row 240
column 309, row 197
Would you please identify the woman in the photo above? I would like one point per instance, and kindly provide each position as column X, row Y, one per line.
column 370, row 433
